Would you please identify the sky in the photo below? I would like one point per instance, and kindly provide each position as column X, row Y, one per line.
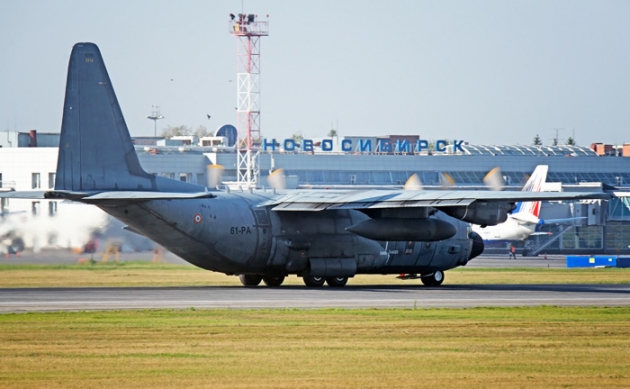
column 487, row 72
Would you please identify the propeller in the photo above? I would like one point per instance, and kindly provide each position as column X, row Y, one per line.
column 446, row 181
column 215, row 173
column 494, row 179
column 277, row 179
column 413, row 183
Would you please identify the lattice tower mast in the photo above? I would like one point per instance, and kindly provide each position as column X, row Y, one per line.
column 248, row 31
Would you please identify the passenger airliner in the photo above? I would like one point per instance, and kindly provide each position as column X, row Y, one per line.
column 524, row 220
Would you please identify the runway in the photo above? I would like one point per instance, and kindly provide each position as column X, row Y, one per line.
column 455, row 296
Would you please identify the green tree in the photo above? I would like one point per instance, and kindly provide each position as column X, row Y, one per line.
column 202, row 131
column 537, row 140
column 171, row 131
column 332, row 133
column 570, row 141
column 297, row 137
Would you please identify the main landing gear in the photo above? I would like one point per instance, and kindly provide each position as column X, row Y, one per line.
column 334, row 282
column 250, row 279
column 255, row 279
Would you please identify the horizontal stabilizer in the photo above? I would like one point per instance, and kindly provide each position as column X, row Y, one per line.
column 24, row 194
column 94, row 197
column 143, row 196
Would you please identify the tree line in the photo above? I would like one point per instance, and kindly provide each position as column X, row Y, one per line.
column 183, row 130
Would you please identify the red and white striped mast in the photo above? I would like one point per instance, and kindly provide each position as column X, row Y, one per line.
column 248, row 30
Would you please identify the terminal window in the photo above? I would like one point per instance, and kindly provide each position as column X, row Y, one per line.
column 52, row 208
column 36, row 181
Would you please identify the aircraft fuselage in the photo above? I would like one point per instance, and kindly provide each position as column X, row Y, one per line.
column 232, row 234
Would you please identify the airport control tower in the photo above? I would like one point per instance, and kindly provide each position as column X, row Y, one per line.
column 248, row 30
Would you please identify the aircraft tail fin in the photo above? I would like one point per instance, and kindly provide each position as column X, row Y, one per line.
column 534, row 184
column 95, row 149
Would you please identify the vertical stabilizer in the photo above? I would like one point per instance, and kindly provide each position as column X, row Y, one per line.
column 95, row 149
column 534, row 184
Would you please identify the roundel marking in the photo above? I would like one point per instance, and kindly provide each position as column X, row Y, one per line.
column 198, row 218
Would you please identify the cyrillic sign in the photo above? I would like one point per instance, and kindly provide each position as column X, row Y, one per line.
column 361, row 145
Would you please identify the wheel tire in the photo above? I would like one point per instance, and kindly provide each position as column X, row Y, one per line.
column 314, row 281
column 337, row 282
column 434, row 279
column 273, row 280
column 250, row 279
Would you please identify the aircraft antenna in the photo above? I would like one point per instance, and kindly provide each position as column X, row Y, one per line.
column 248, row 30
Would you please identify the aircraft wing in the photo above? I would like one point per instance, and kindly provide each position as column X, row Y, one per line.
column 484, row 208
column 567, row 220
column 315, row 200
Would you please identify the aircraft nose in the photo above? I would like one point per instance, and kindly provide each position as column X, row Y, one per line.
column 477, row 245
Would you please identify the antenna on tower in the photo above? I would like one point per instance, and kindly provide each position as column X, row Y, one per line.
column 248, row 30
column 155, row 116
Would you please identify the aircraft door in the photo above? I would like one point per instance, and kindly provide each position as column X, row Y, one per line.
column 425, row 252
column 400, row 253
column 264, row 244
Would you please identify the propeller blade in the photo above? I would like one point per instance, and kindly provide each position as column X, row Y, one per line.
column 277, row 179
column 494, row 179
column 446, row 181
column 215, row 173
column 413, row 183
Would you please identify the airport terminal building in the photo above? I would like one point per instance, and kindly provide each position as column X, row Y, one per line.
column 28, row 161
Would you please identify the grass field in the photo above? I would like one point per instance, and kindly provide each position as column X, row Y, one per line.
column 543, row 347
column 151, row 274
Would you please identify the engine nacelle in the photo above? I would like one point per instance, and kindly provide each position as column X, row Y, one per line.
column 482, row 212
column 424, row 230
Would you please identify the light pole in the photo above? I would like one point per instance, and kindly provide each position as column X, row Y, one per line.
column 155, row 116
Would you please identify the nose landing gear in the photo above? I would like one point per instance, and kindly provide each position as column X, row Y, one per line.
column 433, row 279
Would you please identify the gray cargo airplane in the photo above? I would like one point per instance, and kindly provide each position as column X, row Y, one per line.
column 323, row 236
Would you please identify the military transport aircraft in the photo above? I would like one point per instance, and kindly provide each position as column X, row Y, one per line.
column 319, row 235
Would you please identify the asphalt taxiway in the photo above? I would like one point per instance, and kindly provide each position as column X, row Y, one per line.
column 65, row 257
column 447, row 296
column 292, row 296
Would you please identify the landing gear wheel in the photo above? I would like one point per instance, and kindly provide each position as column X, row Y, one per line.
column 434, row 279
column 273, row 280
column 314, row 281
column 250, row 279
column 337, row 282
